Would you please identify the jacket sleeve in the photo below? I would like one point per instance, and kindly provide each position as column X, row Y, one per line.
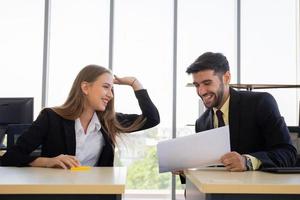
column 149, row 112
column 19, row 154
column 279, row 150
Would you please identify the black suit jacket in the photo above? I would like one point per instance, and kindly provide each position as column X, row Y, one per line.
column 256, row 128
column 56, row 135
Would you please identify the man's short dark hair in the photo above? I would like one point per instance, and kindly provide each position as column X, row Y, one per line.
column 209, row 61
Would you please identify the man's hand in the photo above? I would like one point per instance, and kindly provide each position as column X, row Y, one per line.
column 179, row 172
column 234, row 162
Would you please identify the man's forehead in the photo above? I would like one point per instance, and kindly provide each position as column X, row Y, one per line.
column 205, row 74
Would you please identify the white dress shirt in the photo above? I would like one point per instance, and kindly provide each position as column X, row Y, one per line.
column 89, row 145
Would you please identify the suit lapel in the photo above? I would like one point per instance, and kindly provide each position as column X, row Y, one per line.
column 210, row 120
column 205, row 122
column 105, row 136
column 107, row 155
column 234, row 117
column 69, row 128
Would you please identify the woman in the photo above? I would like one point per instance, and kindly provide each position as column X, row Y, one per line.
column 83, row 130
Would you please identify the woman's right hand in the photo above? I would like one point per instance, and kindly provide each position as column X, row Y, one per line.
column 128, row 80
column 61, row 161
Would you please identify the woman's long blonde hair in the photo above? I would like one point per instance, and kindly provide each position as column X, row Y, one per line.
column 74, row 105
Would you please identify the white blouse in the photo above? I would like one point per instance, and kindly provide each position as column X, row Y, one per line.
column 89, row 146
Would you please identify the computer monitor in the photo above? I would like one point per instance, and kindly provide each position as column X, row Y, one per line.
column 16, row 111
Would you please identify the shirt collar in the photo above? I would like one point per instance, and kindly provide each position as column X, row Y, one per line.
column 225, row 106
column 94, row 124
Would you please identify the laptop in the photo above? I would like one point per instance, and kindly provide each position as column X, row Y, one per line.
column 282, row 170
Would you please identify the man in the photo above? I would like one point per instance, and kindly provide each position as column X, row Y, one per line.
column 258, row 134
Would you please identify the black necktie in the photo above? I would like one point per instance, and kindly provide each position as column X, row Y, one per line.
column 220, row 118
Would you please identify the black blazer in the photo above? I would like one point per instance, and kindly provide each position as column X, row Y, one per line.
column 256, row 128
column 56, row 135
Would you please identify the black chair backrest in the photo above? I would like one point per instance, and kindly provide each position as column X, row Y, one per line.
column 299, row 115
column 296, row 130
column 14, row 131
column 2, row 136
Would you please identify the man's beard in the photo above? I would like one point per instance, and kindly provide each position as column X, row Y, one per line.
column 219, row 97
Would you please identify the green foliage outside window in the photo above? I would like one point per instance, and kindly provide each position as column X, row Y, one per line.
column 143, row 174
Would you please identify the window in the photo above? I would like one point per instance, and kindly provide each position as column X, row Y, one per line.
column 143, row 48
column 78, row 37
column 268, row 53
column 202, row 26
column 21, row 49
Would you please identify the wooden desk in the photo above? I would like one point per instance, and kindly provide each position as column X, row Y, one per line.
column 102, row 183
column 216, row 184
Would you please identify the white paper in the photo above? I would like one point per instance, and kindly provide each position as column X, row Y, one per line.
column 201, row 149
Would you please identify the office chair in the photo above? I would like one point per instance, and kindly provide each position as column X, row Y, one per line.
column 14, row 131
column 295, row 134
column 2, row 136
column 299, row 115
